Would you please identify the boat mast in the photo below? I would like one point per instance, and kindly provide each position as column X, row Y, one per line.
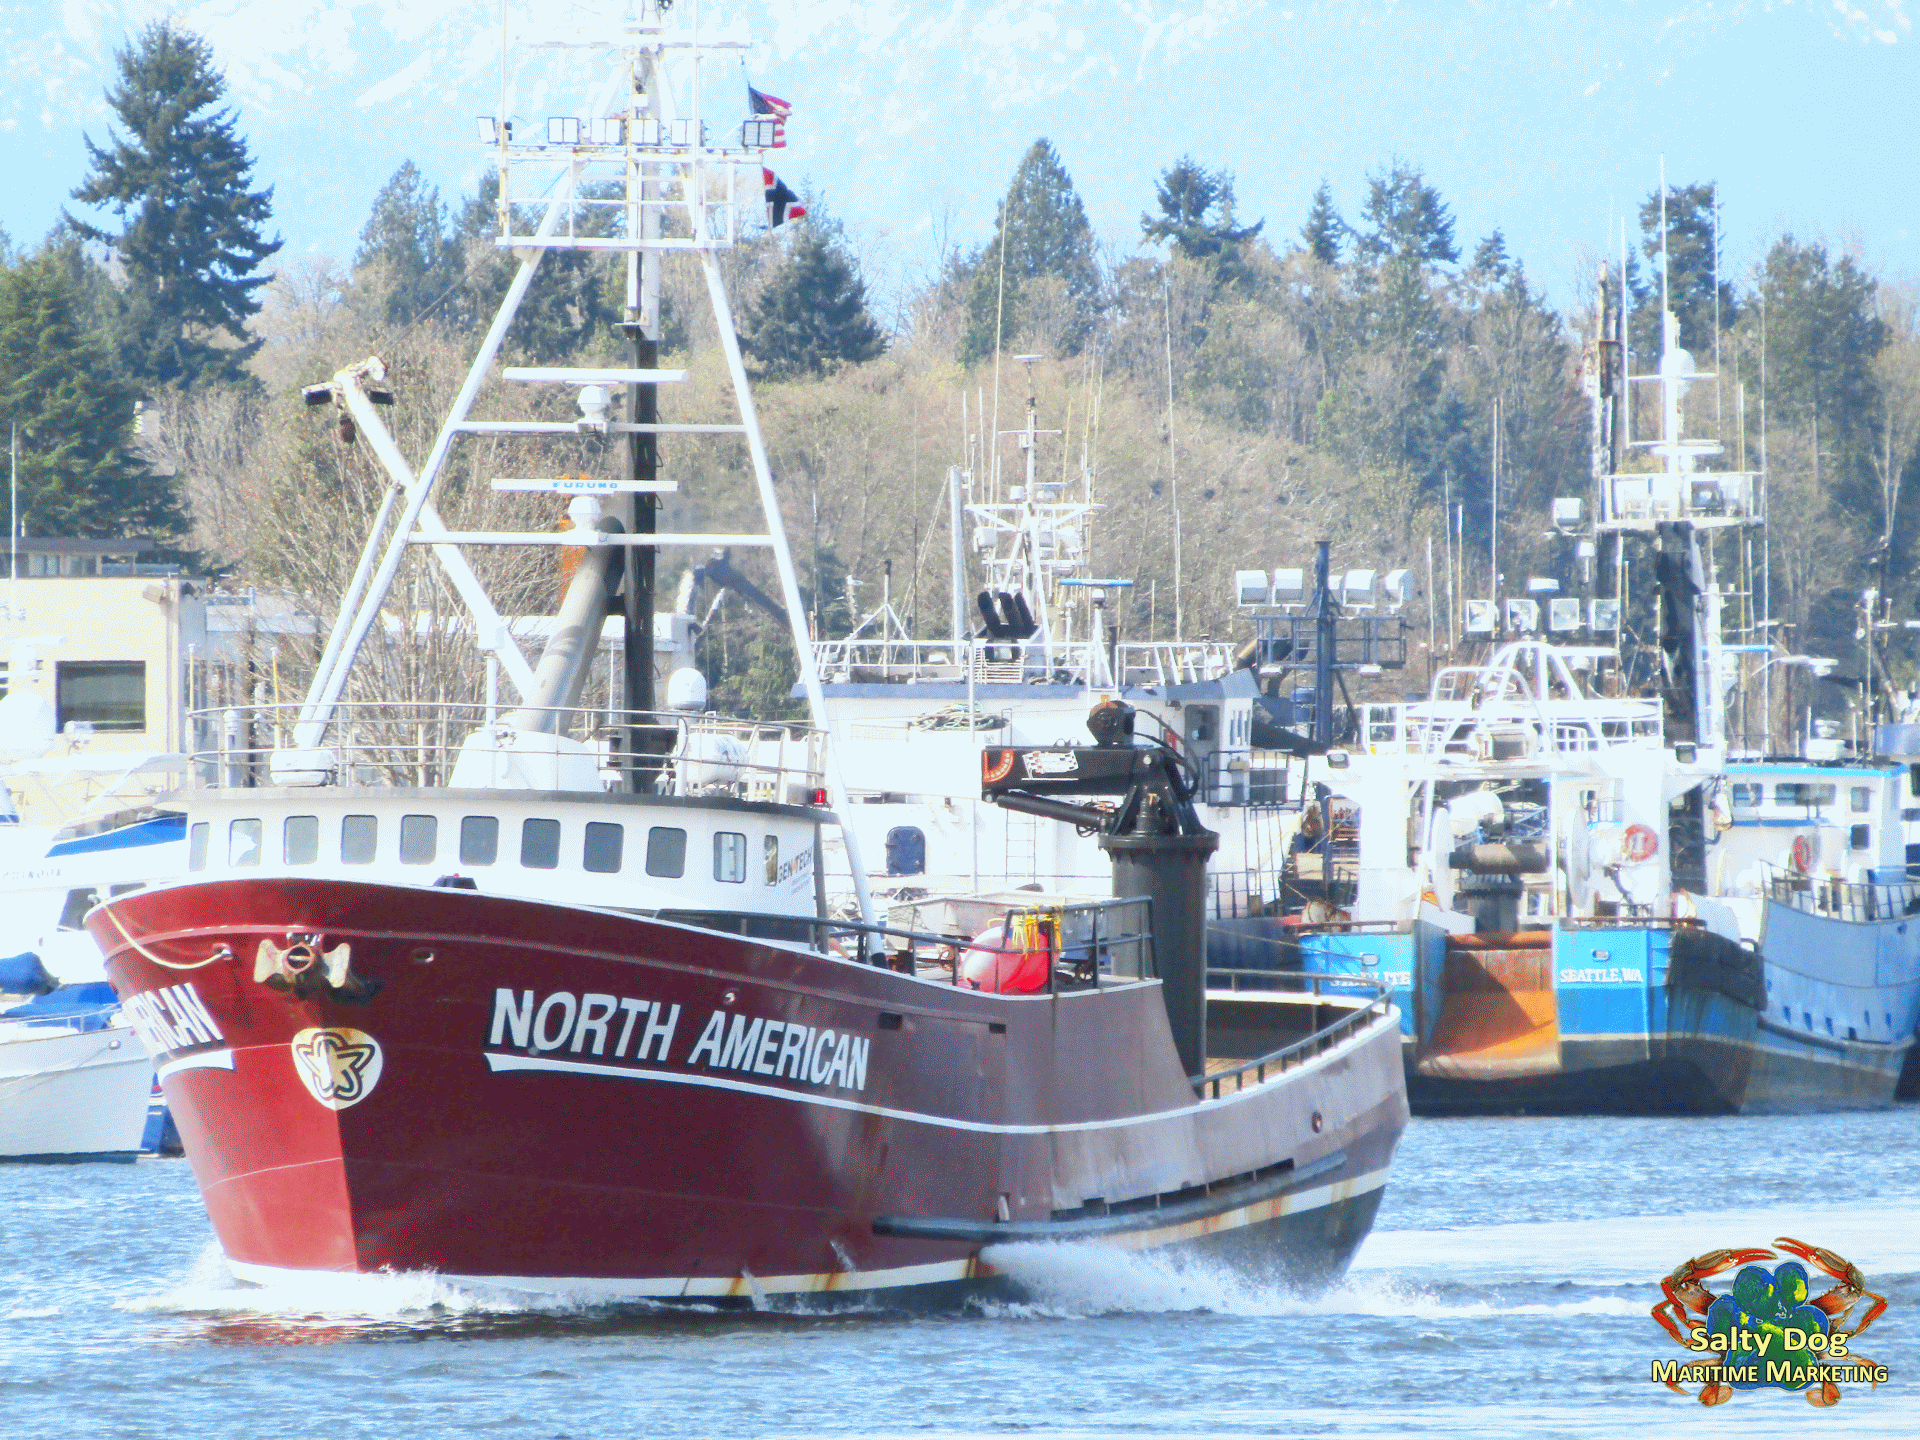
column 632, row 136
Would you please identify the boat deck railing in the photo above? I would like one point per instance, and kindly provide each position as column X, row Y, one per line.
column 1156, row 663
column 430, row 744
column 1839, row 899
column 1038, row 949
column 1352, row 1020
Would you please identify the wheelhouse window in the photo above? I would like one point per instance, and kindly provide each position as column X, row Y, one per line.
column 601, row 850
column 359, row 835
column 771, row 849
column 243, row 844
column 197, row 846
column 300, row 839
column 1804, row 794
column 906, row 850
column 730, row 857
column 75, row 910
column 1747, row 799
column 1861, row 798
column 479, row 839
column 540, row 844
column 109, row 695
column 419, row 839
column 667, row 852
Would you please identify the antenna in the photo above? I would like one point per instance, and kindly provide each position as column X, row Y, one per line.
column 1666, row 301
column 1173, row 473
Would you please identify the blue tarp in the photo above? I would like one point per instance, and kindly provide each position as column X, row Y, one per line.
column 23, row 974
column 88, row 1006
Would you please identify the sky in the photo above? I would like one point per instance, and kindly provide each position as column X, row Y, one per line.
column 1547, row 119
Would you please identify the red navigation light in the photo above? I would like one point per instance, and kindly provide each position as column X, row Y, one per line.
column 819, row 797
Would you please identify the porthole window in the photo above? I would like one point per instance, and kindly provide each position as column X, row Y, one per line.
column 667, row 852
column 300, row 839
column 540, row 844
column 419, row 839
column 604, row 842
column 359, row 835
column 730, row 857
column 243, row 844
column 479, row 840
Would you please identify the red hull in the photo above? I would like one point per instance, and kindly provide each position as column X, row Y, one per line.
column 483, row 1110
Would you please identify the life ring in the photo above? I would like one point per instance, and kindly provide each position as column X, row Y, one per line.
column 1802, row 854
column 1641, row 844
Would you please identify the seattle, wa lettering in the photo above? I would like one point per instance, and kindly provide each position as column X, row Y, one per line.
column 604, row 1027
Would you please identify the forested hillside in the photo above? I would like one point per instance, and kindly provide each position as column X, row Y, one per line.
column 1289, row 377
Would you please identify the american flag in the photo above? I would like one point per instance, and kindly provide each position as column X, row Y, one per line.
column 775, row 109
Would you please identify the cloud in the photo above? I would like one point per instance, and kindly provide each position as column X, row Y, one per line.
column 1884, row 27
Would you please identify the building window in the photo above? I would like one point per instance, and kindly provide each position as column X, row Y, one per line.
column 730, row 857
column 359, row 834
column 419, row 839
column 301, row 839
column 540, row 844
column 771, row 846
column 197, row 846
column 666, row 852
column 601, row 853
column 243, row 844
column 479, row 840
column 106, row 694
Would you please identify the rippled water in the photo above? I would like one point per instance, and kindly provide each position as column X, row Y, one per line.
column 1504, row 1292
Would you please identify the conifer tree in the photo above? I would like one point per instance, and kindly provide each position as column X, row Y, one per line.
column 1408, row 219
column 1690, row 271
column 192, row 235
column 1046, row 235
column 1320, row 236
column 812, row 316
column 78, row 476
column 1196, row 217
column 403, row 260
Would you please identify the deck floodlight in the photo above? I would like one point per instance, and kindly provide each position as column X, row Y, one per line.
column 1360, row 588
column 493, row 131
column 610, row 130
column 1250, row 588
column 1542, row 585
column 758, row 135
column 1290, row 587
column 1398, row 586
column 681, row 132
column 1482, row 617
column 1603, row 615
column 1566, row 514
column 648, row 133
column 1523, row 616
column 1563, row 614
column 563, row 130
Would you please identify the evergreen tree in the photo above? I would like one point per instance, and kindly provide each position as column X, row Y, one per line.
column 1491, row 265
column 1822, row 336
column 1196, row 217
column 192, row 236
column 1690, row 272
column 1320, row 236
column 78, row 476
column 812, row 316
column 1046, row 236
column 406, row 259
column 1408, row 219
column 578, row 298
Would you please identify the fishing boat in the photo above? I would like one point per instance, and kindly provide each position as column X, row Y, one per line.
column 1587, row 901
column 546, row 995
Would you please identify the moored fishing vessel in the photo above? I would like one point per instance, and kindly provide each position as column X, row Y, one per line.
column 1603, row 908
column 545, row 996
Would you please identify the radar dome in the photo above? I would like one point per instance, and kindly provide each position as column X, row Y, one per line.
column 686, row 690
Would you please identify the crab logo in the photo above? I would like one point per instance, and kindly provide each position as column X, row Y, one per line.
column 1769, row 1329
column 338, row 1067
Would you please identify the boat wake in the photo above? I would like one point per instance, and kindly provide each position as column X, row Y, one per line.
column 1082, row 1281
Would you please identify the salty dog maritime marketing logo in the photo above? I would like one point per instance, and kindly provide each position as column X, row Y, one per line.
column 1768, row 1329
